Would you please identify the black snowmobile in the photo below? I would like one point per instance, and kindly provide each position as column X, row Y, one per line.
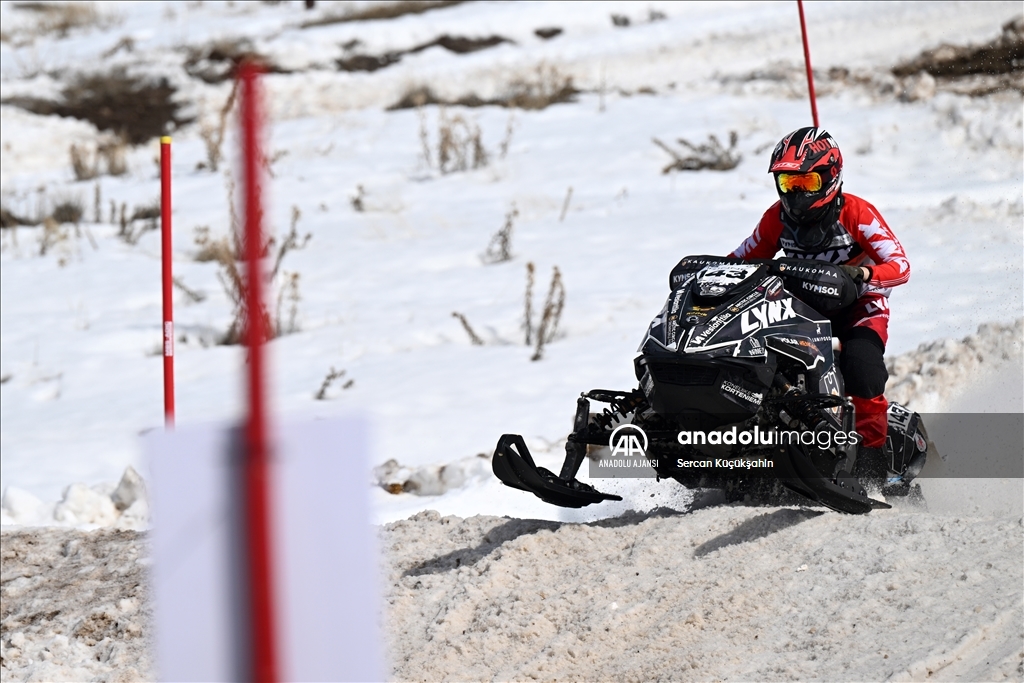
column 739, row 389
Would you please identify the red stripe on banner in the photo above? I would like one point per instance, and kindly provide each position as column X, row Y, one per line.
column 168, row 278
column 807, row 63
column 261, row 594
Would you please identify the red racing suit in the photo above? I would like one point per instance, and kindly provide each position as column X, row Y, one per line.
column 857, row 236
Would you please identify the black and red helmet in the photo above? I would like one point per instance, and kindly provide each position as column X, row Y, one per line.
column 808, row 169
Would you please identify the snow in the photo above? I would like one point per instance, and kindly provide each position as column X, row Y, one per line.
column 80, row 325
column 75, row 605
column 724, row 593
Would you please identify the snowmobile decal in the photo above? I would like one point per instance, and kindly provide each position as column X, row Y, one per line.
column 766, row 314
column 798, row 349
column 717, row 280
column 739, row 392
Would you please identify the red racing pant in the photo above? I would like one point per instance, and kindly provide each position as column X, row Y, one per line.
column 864, row 332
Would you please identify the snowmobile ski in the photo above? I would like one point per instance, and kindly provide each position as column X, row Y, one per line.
column 843, row 492
column 514, row 466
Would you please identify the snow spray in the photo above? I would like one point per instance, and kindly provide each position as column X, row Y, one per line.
column 168, row 278
column 807, row 63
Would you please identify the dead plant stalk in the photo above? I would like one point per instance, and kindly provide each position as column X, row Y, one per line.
column 473, row 337
column 552, row 314
column 499, row 249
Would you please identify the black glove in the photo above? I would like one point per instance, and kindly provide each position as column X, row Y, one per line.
column 859, row 275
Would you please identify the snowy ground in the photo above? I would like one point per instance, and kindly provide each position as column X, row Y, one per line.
column 396, row 247
column 80, row 325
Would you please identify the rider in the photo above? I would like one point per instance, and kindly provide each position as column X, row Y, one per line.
column 814, row 219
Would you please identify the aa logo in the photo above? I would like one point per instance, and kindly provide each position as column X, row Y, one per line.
column 628, row 440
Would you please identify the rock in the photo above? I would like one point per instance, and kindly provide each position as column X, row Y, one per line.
column 130, row 489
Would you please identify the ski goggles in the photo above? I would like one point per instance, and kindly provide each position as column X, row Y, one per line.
column 798, row 182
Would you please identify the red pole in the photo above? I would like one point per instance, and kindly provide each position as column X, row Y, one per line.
column 168, row 278
column 261, row 603
column 807, row 63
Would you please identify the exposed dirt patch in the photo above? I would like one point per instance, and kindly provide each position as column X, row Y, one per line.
column 219, row 61
column 134, row 107
column 458, row 44
column 547, row 33
column 9, row 219
column 1003, row 55
column 546, row 86
column 58, row 19
column 377, row 12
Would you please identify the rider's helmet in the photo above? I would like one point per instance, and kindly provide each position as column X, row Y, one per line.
column 808, row 170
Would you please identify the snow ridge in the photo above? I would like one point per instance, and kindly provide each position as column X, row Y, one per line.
column 928, row 378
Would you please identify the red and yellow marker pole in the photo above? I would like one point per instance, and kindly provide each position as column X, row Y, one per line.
column 168, row 278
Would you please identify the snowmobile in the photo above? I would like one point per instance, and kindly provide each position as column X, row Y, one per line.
column 741, row 350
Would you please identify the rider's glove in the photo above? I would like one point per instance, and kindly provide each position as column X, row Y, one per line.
column 858, row 274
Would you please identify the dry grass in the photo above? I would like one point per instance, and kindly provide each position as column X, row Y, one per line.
column 83, row 165
column 193, row 295
column 53, row 233
column 68, row 211
column 709, row 155
column 510, row 128
column 381, row 11
column 474, row 338
column 227, row 251
column 287, row 295
column 213, row 134
column 528, row 305
column 357, row 199
column 321, row 394
column 552, row 314
column 108, row 157
column 143, row 219
column 547, row 85
column 221, row 250
column 499, row 249
column 565, row 204
column 459, row 145
column 62, row 209
column 291, row 241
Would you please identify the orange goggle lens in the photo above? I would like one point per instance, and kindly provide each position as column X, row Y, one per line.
column 799, row 182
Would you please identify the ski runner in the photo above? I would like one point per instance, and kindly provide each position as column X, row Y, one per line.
column 813, row 219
